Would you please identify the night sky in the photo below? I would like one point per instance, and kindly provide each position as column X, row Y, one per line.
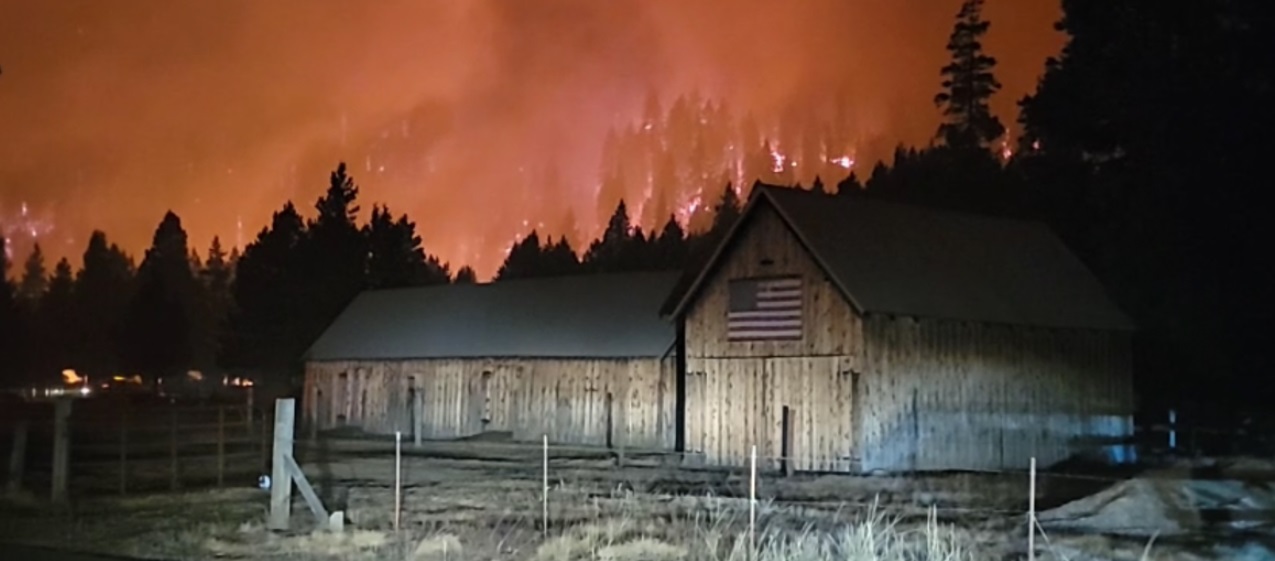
column 113, row 112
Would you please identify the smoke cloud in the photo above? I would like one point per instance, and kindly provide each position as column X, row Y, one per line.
column 452, row 111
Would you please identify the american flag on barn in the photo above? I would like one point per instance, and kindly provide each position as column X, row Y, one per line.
column 764, row 308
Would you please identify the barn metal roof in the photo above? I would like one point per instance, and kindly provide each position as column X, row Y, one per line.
column 911, row 261
column 586, row 316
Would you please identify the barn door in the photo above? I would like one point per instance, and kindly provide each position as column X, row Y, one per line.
column 809, row 401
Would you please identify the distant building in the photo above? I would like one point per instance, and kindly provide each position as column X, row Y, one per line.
column 855, row 335
column 585, row 360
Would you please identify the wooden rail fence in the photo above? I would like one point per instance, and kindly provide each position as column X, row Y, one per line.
column 87, row 447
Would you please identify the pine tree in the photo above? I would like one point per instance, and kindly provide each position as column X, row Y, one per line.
column 523, row 260
column 818, row 187
column 162, row 314
column 35, row 280
column 214, row 302
column 103, row 289
column 671, row 250
column 850, row 185
column 968, row 84
column 560, row 258
column 606, row 253
column 268, row 307
column 334, row 256
column 395, row 256
column 12, row 326
column 57, row 324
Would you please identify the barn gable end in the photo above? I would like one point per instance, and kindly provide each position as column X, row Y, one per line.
column 738, row 390
column 928, row 341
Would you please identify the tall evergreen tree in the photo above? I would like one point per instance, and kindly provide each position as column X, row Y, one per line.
column 968, row 84
column 57, row 325
column 160, row 331
column 1141, row 145
column 103, row 289
column 670, row 246
column 559, row 257
column 35, row 279
column 395, row 256
column 606, row 254
column 334, row 255
column 269, row 296
column 11, row 326
column 523, row 260
column 213, row 306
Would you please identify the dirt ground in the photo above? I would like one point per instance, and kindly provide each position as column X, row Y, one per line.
column 472, row 501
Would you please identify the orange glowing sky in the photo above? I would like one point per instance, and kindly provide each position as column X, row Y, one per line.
column 113, row 112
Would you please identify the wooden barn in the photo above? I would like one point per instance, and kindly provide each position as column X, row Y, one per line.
column 586, row 360
column 855, row 335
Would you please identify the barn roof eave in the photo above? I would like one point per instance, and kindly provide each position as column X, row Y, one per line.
column 462, row 357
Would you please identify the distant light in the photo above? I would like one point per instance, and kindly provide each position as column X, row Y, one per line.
column 85, row 390
column 71, row 378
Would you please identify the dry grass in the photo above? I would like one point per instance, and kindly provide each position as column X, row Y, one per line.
column 458, row 510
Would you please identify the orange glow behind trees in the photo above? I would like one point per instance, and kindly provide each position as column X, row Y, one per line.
column 479, row 119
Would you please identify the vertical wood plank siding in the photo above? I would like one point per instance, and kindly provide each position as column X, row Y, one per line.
column 563, row 398
column 886, row 393
column 737, row 390
column 960, row 395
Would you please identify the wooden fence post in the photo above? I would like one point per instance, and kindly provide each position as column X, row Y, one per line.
column 124, row 451
column 248, row 407
column 221, row 447
column 61, row 449
column 18, row 457
column 172, row 449
column 280, row 478
column 265, row 442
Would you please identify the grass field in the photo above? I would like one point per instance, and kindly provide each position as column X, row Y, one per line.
column 478, row 501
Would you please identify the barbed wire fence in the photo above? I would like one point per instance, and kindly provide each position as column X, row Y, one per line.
column 761, row 494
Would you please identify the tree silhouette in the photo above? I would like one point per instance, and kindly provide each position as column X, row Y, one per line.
column 57, row 325
column 213, row 303
column 465, row 275
column 35, row 279
column 268, row 302
column 670, row 246
column 606, row 254
column 162, row 311
column 11, row 325
column 334, row 255
column 523, row 260
column 968, row 84
column 103, row 289
column 1140, row 146
column 395, row 256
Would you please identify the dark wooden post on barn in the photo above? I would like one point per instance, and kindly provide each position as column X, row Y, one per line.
column 124, row 450
column 286, row 472
column 789, row 431
column 174, row 476
column 18, row 457
column 61, row 449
